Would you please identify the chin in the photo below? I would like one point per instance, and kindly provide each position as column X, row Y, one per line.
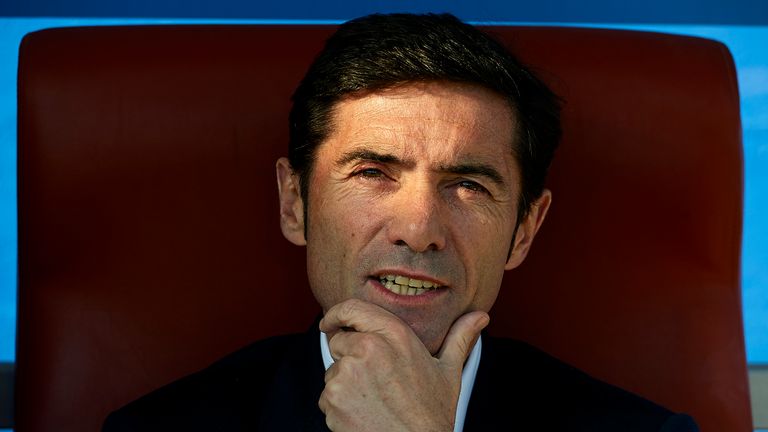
column 433, row 342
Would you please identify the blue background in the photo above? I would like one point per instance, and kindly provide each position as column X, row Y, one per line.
column 742, row 25
column 738, row 12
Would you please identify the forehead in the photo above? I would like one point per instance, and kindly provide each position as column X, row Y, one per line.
column 437, row 122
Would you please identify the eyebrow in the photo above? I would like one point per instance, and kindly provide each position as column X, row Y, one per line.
column 478, row 169
column 367, row 155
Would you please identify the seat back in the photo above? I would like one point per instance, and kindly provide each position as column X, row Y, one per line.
column 149, row 242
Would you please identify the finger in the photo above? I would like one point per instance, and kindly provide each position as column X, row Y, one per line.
column 322, row 403
column 346, row 343
column 461, row 338
column 332, row 371
column 329, row 409
column 360, row 316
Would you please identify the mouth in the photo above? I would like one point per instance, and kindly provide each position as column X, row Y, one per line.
column 403, row 285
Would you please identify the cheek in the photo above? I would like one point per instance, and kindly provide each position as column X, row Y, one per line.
column 350, row 211
column 486, row 232
column 485, row 243
column 339, row 228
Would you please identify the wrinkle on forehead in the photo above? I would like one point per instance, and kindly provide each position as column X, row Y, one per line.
column 444, row 117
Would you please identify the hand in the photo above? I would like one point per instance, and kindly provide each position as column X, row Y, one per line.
column 384, row 378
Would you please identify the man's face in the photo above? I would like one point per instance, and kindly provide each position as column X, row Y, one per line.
column 416, row 184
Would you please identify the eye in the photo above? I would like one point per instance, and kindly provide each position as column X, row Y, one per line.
column 472, row 186
column 369, row 173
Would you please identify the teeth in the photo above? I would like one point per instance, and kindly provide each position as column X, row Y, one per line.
column 406, row 286
column 415, row 283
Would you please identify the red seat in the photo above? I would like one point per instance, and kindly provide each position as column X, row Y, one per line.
column 149, row 243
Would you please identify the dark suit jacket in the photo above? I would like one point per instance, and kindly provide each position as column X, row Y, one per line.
column 274, row 385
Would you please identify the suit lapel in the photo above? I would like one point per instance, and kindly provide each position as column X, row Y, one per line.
column 480, row 411
column 295, row 390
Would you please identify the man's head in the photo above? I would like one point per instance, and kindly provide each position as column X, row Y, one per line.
column 383, row 51
column 418, row 151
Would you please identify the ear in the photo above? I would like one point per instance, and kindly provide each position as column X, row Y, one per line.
column 291, row 204
column 528, row 229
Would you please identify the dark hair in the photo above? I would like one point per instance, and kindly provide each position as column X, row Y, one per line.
column 376, row 52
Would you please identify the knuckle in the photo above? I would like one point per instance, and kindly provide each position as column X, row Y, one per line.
column 343, row 366
column 330, row 421
column 322, row 403
column 368, row 344
column 332, row 372
column 349, row 308
column 336, row 416
column 332, row 394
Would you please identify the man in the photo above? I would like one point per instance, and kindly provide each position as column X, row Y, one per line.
column 415, row 178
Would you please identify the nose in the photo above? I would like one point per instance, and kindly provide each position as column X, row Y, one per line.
column 417, row 219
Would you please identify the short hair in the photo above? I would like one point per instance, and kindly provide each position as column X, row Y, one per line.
column 378, row 52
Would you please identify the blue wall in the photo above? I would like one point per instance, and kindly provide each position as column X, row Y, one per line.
column 742, row 25
column 734, row 12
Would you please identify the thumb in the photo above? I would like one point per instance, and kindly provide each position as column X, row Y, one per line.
column 461, row 338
